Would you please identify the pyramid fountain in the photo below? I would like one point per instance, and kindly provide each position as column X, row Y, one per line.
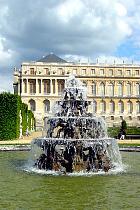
column 75, row 140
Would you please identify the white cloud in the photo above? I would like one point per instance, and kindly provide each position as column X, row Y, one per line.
column 104, row 59
column 86, row 28
column 6, row 83
column 66, row 26
column 6, row 55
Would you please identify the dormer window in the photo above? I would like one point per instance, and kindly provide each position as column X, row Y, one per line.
column 83, row 71
column 47, row 72
column 32, row 71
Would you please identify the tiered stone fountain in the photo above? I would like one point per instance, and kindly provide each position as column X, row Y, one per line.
column 75, row 140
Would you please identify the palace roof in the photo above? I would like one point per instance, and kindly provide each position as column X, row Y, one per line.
column 52, row 58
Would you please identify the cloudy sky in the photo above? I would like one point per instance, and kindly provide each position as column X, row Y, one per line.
column 105, row 29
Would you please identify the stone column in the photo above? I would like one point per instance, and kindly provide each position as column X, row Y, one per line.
column 28, row 86
column 56, row 87
column 36, row 84
column 51, row 87
column 37, row 87
column 41, row 83
column 133, row 89
column 107, row 106
column 125, row 89
column 22, row 86
column 115, row 88
column 105, row 83
column 125, row 106
column 97, row 88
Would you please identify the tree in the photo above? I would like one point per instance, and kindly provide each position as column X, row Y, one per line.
column 123, row 125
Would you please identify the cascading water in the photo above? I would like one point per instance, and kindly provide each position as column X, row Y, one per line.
column 75, row 140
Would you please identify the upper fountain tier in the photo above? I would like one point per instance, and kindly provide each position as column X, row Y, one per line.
column 71, row 118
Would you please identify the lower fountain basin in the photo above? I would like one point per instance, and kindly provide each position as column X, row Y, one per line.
column 75, row 155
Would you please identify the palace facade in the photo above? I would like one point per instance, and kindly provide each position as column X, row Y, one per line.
column 113, row 90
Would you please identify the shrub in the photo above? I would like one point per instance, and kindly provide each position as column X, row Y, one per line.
column 10, row 106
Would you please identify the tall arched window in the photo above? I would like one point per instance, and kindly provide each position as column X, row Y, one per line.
column 61, row 85
column 102, row 106
column 121, row 106
column 94, row 89
column 46, row 105
column 129, row 107
column 128, row 89
column 32, row 105
column 46, row 86
column 138, row 107
column 120, row 89
column 111, row 89
column 112, row 107
column 94, row 106
column 32, row 87
column 137, row 89
column 102, row 89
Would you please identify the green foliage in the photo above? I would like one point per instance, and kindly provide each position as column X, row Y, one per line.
column 10, row 106
column 9, row 116
column 133, row 130
column 113, row 131
column 24, row 113
column 31, row 120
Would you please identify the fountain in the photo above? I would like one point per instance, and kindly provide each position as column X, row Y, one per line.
column 75, row 140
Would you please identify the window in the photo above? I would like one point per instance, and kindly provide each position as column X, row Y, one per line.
column 39, row 85
column 61, row 71
column 137, row 89
column 46, row 106
column 94, row 106
column 61, row 85
column 120, row 89
column 84, row 83
column 47, row 72
column 32, row 87
column 102, row 106
column 138, row 118
column 112, row 107
column 112, row 117
column 110, row 72
column 74, row 71
column 94, row 89
column 101, row 72
column 129, row 107
column 32, row 71
column 137, row 107
column 121, row 107
column 137, row 72
column 92, row 71
column 47, row 87
column 130, row 118
column 128, row 89
column 83, row 71
column 111, row 89
column 25, row 86
column 119, row 72
column 32, row 105
column 102, row 89
column 128, row 72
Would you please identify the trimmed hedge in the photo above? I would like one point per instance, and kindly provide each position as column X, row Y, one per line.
column 113, row 131
column 10, row 106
